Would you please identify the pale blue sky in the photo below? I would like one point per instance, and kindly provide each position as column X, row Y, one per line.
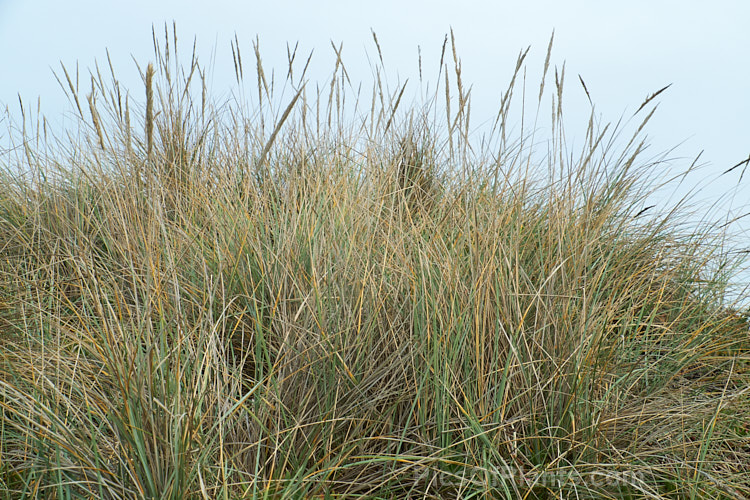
column 623, row 51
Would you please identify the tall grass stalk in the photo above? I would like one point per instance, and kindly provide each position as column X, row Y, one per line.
column 194, row 305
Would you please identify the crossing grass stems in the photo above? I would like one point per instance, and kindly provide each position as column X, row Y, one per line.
column 365, row 304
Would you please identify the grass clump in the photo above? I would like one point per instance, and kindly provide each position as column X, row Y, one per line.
column 193, row 305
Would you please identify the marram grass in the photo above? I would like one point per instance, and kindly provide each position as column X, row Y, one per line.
column 201, row 302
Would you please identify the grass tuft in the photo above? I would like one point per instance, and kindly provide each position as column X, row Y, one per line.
column 204, row 307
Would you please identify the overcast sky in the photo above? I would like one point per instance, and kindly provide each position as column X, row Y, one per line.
column 623, row 51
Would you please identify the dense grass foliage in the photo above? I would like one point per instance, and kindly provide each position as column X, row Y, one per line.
column 201, row 301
